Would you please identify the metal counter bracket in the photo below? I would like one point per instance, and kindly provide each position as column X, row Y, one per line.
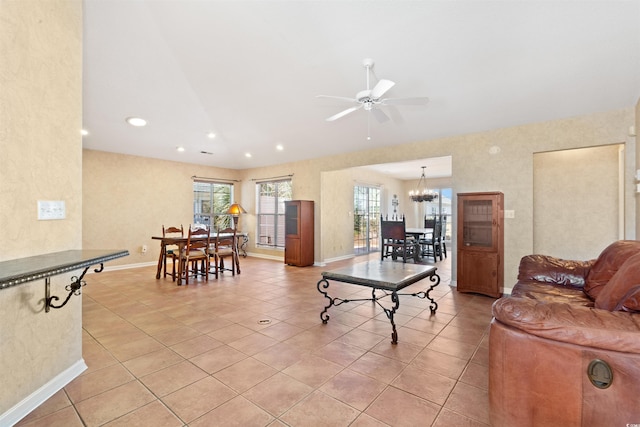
column 74, row 289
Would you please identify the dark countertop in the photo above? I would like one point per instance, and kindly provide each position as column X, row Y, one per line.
column 22, row 270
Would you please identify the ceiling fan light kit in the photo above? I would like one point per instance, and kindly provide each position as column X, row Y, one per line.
column 371, row 99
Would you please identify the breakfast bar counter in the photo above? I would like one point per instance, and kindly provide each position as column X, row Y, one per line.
column 41, row 326
column 22, row 270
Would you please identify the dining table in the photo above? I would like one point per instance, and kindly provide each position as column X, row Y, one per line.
column 417, row 234
column 181, row 242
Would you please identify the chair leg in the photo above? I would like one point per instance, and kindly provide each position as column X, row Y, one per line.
column 185, row 271
column 173, row 269
column 164, row 263
column 214, row 264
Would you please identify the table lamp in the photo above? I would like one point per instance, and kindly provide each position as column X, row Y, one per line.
column 235, row 210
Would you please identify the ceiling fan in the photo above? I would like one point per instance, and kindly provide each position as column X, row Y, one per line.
column 371, row 99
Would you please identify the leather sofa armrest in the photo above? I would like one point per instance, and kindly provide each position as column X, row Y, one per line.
column 575, row 324
column 548, row 269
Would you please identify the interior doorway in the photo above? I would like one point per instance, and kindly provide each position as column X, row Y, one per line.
column 366, row 219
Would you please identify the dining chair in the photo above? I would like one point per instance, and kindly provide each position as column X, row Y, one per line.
column 225, row 246
column 431, row 244
column 429, row 222
column 395, row 242
column 194, row 258
column 443, row 233
column 171, row 251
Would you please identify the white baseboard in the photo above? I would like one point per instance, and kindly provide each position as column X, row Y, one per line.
column 279, row 257
column 339, row 258
column 128, row 266
column 38, row 397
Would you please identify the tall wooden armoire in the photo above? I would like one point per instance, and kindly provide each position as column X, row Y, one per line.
column 298, row 225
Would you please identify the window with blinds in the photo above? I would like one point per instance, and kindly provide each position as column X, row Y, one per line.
column 211, row 201
column 271, row 196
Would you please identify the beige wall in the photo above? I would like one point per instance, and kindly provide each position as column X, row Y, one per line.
column 511, row 170
column 127, row 199
column 474, row 169
column 580, row 217
column 40, row 159
column 41, row 118
column 118, row 201
column 336, row 208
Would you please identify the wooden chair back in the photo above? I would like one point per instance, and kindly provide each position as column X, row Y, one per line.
column 226, row 245
column 199, row 239
column 429, row 222
column 170, row 251
column 395, row 242
column 394, row 230
column 172, row 231
column 196, row 251
column 225, row 240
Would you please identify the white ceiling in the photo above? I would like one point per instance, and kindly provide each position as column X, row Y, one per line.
column 435, row 167
column 250, row 72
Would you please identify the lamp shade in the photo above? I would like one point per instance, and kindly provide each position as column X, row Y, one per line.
column 236, row 209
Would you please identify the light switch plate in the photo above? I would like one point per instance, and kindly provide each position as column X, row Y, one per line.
column 509, row 214
column 51, row 209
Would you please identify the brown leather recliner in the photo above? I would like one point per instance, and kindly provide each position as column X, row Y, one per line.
column 564, row 348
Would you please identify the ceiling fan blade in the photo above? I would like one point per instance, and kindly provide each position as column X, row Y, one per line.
column 395, row 115
column 343, row 113
column 405, row 101
column 380, row 115
column 340, row 98
column 380, row 89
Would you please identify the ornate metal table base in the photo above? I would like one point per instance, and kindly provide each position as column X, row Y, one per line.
column 384, row 276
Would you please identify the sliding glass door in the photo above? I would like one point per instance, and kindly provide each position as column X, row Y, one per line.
column 366, row 218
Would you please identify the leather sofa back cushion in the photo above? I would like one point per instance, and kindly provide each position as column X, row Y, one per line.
column 623, row 290
column 556, row 271
column 607, row 264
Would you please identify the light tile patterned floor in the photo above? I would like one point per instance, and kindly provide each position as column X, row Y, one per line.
column 199, row 355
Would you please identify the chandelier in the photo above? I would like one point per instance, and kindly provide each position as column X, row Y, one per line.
column 422, row 193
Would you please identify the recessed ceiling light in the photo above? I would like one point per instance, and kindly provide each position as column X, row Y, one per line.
column 180, row 148
column 136, row 121
column 247, row 154
column 211, row 135
column 84, row 132
column 279, row 147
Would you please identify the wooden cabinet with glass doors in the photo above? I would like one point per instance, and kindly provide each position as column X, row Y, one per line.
column 481, row 243
column 298, row 224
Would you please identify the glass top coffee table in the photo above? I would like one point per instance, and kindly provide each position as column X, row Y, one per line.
column 387, row 277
